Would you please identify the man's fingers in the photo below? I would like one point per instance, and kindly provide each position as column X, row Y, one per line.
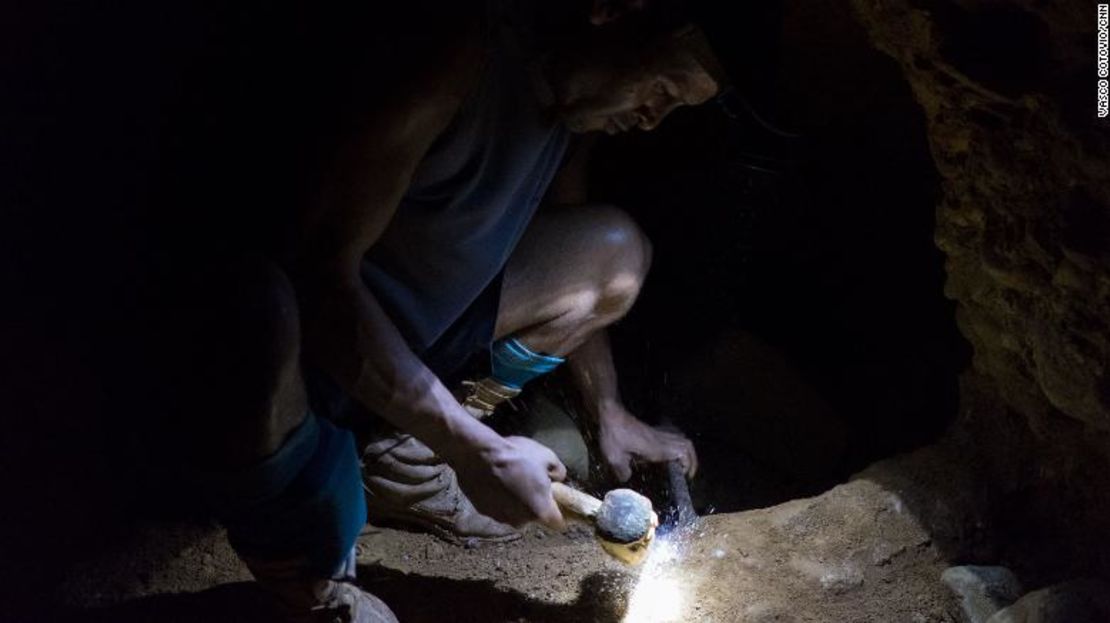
column 693, row 454
column 622, row 468
column 555, row 468
column 689, row 463
column 673, row 436
column 682, row 450
column 548, row 513
column 557, row 471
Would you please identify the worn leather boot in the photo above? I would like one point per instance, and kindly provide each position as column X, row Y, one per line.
column 408, row 486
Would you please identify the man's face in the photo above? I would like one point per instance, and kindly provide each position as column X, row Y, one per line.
column 615, row 90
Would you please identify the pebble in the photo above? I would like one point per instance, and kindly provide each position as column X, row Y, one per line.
column 982, row 590
column 841, row 580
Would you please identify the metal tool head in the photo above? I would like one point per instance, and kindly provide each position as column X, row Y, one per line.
column 625, row 524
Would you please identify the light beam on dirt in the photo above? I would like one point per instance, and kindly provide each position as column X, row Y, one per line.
column 660, row 593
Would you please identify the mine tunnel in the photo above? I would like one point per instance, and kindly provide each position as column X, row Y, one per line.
column 870, row 292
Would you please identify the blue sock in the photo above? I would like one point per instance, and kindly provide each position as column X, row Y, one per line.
column 514, row 364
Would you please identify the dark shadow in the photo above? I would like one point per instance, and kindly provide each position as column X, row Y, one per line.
column 1046, row 523
column 1002, row 47
column 239, row 602
column 794, row 323
column 603, row 598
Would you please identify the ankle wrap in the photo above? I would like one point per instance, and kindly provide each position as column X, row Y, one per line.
column 485, row 395
column 514, row 364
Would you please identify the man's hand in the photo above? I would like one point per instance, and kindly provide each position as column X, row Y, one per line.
column 623, row 438
column 510, row 478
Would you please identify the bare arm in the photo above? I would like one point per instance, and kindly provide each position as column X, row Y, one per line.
column 348, row 333
column 622, row 437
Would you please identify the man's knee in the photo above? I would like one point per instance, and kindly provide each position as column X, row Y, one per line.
column 626, row 254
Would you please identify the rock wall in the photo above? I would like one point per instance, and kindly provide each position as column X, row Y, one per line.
column 1008, row 93
column 1008, row 90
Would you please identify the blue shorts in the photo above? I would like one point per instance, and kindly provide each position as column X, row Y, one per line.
column 304, row 503
column 470, row 334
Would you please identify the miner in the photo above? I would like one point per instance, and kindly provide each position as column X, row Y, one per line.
column 444, row 215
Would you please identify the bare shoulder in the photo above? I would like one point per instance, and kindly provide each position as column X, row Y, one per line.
column 402, row 79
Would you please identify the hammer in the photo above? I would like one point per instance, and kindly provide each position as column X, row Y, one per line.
column 624, row 521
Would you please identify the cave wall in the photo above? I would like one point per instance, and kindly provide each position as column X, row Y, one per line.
column 1008, row 93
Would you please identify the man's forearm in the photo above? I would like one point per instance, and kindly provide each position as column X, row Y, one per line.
column 622, row 438
column 349, row 335
column 591, row 367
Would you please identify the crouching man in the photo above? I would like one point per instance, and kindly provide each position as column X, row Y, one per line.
column 420, row 243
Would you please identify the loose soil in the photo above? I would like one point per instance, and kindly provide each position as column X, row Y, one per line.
column 854, row 553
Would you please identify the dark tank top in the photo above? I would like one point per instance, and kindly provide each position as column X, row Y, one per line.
column 469, row 201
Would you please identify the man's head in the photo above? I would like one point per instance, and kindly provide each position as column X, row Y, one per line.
column 629, row 72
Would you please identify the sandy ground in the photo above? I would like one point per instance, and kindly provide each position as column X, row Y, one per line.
column 852, row 554
column 855, row 553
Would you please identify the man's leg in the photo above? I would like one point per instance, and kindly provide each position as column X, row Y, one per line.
column 285, row 483
column 576, row 271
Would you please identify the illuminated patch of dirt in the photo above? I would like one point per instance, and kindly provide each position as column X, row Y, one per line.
column 855, row 553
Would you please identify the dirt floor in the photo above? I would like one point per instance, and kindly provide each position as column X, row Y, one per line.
column 855, row 553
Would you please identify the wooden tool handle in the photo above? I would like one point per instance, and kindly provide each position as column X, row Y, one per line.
column 575, row 501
